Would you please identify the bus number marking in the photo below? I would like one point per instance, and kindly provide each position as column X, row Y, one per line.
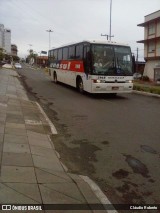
column 77, row 66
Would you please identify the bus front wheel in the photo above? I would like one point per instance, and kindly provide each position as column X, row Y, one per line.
column 80, row 85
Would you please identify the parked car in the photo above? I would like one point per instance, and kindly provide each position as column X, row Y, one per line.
column 18, row 66
column 137, row 75
column 158, row 81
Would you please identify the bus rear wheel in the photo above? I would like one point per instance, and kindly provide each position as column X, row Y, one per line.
column 80, row 85
column 113, row 95
column 55, row 78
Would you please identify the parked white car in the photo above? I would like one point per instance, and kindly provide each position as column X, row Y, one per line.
column 137, row 75
column 18, row 66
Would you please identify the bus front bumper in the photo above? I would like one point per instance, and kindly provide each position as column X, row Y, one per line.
column 112, row 87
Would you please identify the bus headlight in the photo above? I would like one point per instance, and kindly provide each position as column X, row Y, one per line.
column 98, row 81
column 128, row 81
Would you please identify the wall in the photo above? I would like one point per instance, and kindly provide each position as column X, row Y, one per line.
column 158, row 48
column 152, row 16
column 1, row 36
column 158, row 28
column 7, row 40
column 149, row 68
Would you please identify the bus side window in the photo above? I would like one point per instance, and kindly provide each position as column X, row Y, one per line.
column 59, row 54
column 65, row 53
column 51, row 56
column 55, row 54
column 79, row 51
column 71, row 52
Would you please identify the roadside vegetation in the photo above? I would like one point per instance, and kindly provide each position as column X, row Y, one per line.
column 145, row 85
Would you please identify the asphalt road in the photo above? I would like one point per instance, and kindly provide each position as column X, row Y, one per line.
column 114, row 141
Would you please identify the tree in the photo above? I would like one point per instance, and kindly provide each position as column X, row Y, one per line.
column 32, row 56
column 2, row 55
column 7, row 57
column 15, row 58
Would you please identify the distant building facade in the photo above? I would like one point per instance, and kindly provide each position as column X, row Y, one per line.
column 14, row 50
column 139, row 66
column 151, row 45
column 1, row 35
column 5, row 39
column 42, row 61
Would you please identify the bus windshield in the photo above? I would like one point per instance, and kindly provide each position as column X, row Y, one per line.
column 111, row 60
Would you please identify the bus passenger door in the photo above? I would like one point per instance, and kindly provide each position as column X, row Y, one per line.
column 87, row 69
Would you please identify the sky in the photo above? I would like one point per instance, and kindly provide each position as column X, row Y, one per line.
column 74, row 20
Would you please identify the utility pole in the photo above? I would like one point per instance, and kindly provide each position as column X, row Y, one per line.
column 110, row 25
column 105, row 35
column 49, row 31
column 137, row 54
column 137, row 60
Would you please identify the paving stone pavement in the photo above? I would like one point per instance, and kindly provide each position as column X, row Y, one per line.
column 31, row 172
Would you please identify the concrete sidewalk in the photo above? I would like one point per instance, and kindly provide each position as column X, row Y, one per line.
column 31, row 171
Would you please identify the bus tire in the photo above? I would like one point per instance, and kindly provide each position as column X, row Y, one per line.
column 55, row 78
column 113, row 95
column 80, row 85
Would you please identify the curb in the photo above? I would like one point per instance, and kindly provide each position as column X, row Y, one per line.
column 53, row 129
column 146, row 93
column 94, row 187
column 98, row 192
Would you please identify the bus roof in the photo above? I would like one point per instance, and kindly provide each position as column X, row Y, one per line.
column 93, row 41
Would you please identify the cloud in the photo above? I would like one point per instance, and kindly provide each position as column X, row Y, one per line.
column 73, row 20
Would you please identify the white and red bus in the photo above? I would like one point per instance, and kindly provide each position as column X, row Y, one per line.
column 93, row 66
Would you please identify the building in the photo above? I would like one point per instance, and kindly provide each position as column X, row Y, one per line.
column 1, row 36
column 5, row 39
column 139, row 66
column 151, row 45
column 14, row 50
column 42, row 61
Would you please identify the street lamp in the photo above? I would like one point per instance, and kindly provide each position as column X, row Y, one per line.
column 110, row 25
column 49, row 31
column 105, row 35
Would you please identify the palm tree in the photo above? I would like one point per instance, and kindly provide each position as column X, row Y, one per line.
column 32, row 57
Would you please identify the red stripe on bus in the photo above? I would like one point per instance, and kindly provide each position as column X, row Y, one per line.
column 74, row 65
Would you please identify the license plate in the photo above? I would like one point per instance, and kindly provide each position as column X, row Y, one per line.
column 115, row 88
